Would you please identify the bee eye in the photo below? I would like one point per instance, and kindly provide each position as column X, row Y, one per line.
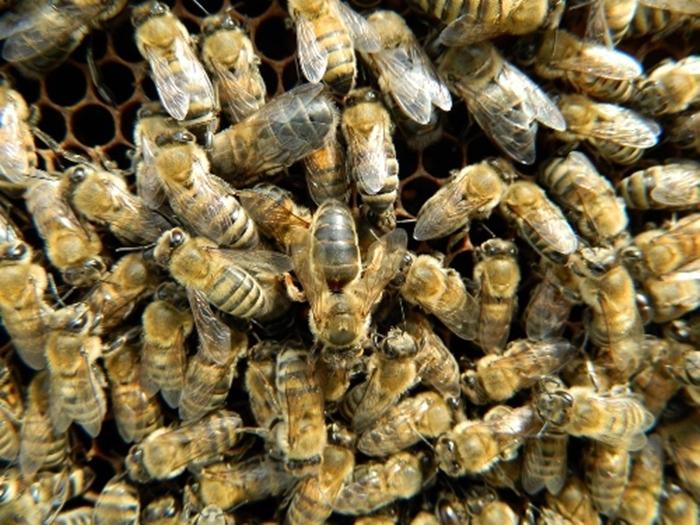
column 176, row 238
column 78, row 323
column 95, row 264
column 78, row 175
column 16, row 252
column 159, row 9
column 183, row 137
column 169, row 512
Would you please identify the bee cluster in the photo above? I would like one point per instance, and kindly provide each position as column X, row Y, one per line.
column 314, row 261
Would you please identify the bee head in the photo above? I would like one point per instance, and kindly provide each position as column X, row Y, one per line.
column 145, row 12
column 15, row 251
column 181, row 136
column 223, row 22
column 447, row 451
column 78, row 174
column 89, row 272
column 360, row 96
column 495, row 248
column 167, row 244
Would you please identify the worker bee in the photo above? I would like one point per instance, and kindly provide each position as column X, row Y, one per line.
column 545, row 463
column 328, row 32
column 539, row 221
column 598, row 71
column 341, row 292
column 301, row 435
column 617, row 134
column 572, row 504
column 212, row 515
column 656, row 382
column 671, row 87
column 229, row 485
column 260, row 383
column 241, row 283
column 681, row 440
column 11, row 413
column 391, row 371
column 161, row 511
column 40, row 35
column 183, row 86
column 167, row 452
column 117, row 504
column 368, row 128
column 78, row 516
column 550, row 303
column 288, row 128
column 115, row 296
column 376, row 484
column 314, row 497
column 102, row 197
column 326, row 174
column 228, row 54
column 673, row 186
column 75, row 382
column 72, row 246
column 606, row 472
column 41, row 447
column 473, row 446
column 678, row 507
column 203, row 201
column 661, row 17
column 470, row 193
column 616, row 418
column 22, row 306
column 403, row 69
column 588, row 197
column 167, row 322
column 275, row 212
column 18, row 158
column 484, row 508
column 505, row 103
column 136, row 413
column 499, row 377
column 684, row 131
column 440, row 291
column 423, row 416
column 497, row 276
column 640, row 502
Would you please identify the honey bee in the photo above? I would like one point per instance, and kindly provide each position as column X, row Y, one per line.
column 40, row 35
column 9, row 232
column 41, row 447
column 229, row 485
column 545, row 463
column 615, row 324
column 301, row 435
column 241, row 283
column 681, row 441
column 470, row 193
column 183, row 86
column 550, row 303
column 22, row 306
column 203, row 201
column 505, row 103
column 260, row 383
column 640, row 502
column 589, row 198
column 440, row 291
column 591, row 68
column 286, row 129
column 75, row 382
column 436, row 366
column 539, row 221
column 11, row 413
column 657, row 382
column 475, row 446
column 115, row 296
column 167, row 322
column 275, row 212
column 368, row 131
column 229, row 56
column 341, row 291
column 671, row 87
column 672, row 186
column 167, row 452
column 212, row 515
column 161, row 511
column 78, row 516
column 315, row 496
column 485, row 508
column 102, row 197
column 51, row 491
column 403, row 69
column 684, row 131
column 499, row 377
column 326, row 175
column 377, row 484
column 572, row 505
column 117, row 504
column 497, row 276
column 392, row 370
column 673, row 295
column 661, row 17
column 678, row 507
column 72, row 246
column 606, row 471
column 328, row 32
column 616, row 418
column 425, row 415
column 18, row 158
column 137, row 414
column 617, row 134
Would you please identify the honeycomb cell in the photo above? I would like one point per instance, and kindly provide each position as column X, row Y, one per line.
column 290, row 75
column 415, row 192
column 275, row 38
column 253, row 9
column 52, row 122
column 119, row 79
column 196, row 8
column 270, row 77
column 29, row 87
column 124, row 44
column 443, row 156
column 66, row 85
column 93, row 125
column 121, row 154
column 95, row 43
column 128, row 120
column 149, row 88
column 408, row 158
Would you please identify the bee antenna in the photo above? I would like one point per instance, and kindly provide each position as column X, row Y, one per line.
column 54, row 290
column 135, row 248
column 198, row 4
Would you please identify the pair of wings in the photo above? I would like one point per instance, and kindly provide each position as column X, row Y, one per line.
column 14, row 158
column 467, row 29
column 619, row 404
column 539, row 449
column 677, row 185
column 534, row 361
column 313, row 58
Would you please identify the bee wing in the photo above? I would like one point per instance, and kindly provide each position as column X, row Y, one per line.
column 194, row 71
column 313, row 59
column 171, row 85
column 311, row 280
column 368, row 158
column 383, row 261
column 601, row 61
column 196, row 394
column 13, row 161
column 626, row 127
column 597, row 28
column 258, row 261
column 214, row 335
column 686, row 7
column 148, row 185
column 466, row 30
column 532, row 482
column 553, row 229
column 363, row 35
column 239, row 101
column 544, row 359
column 544, row 110
column 678, row 184
column 31, row 459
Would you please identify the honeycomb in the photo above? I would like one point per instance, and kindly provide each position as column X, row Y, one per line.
column 93, row 114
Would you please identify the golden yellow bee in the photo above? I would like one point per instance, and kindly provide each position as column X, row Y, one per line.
column 118, row 503
column 606, row 473
column 18, row 158
column 672, row 186
column 658, row 381
column 550, row 303
column 684, row 131
column 572, row 504
column 681, row 440
column 545, row 462
column 326, row 174
column 640, row 502
column 671, row 87
column 11, row 414
column 161, row 511
column 678, row 507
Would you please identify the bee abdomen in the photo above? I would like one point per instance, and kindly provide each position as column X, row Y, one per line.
column 306, row 509
column 335, row 244
column 608, row 89
column 340, row 72
column 242, row 232
column 325, row 174
column 444, row 10
column 238, row 293
column 9, row 437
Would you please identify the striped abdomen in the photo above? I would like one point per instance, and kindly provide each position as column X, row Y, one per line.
column 544, row 463
column 117, row 504
column 206, row 387
column 607, row 472
column 334, row 38
column 334, row 245
column 238, row 293
column 444, row 10
column 136, row 414
column 78, row 397
column 380, row 206
column 325, row 173
column 27, row 328
column 649, row 20
column 601, row 88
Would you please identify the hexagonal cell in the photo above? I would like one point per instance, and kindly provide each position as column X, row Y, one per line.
column 197, row 8
column 416, row 191
column 275, row 38
column 127, row 118
column 52, row 122
column 123, row 43
column 119, row 79
column 270, row 77
column 66, row 85
column 445, row 155
column 92, row 125
column 252, row 9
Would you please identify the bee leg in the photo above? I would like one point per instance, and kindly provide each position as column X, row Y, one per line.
column 102, row 88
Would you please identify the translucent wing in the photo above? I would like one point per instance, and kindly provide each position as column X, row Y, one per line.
column 363, row 35
column 170, row 81
column 148, row 185
column 687, row 7
column 541, row 105
column 13, row 160
column 678, row 185
column 258, row 261
column 466, row 30
column 553, row 229
column 312, row 281
column 312, row 58
column 234, row 83
column 601, row 61
column 194, row 71
column 368, row 158
column 597, row 28
column 214, row 335
column 624, row 126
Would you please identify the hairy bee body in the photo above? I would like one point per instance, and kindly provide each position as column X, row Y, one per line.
column 685, row 130
column 607, row 471
column 678, row 507
column 545, row 463
column 640, row 502
column 117, row 504
column 19, row 158
column 673, row 186
column 11, row 414
column 335, row 250
column 550, row 303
